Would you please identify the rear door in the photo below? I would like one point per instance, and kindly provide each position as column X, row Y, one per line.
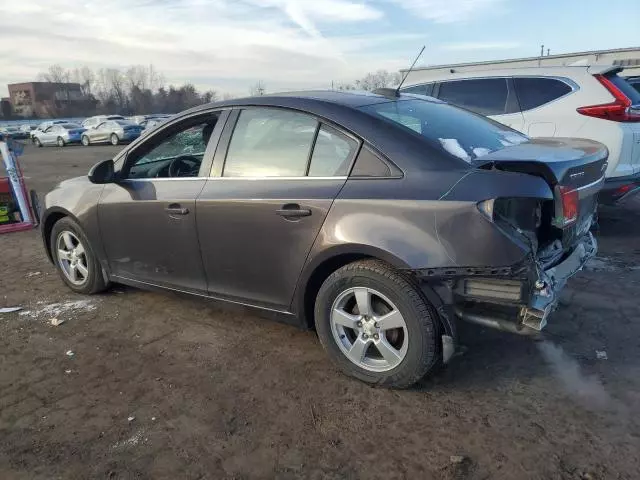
column 543, row 114
column 276, row 174
column 492, row 97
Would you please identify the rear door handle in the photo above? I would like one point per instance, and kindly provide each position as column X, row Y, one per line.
column 176, row 209
column 293, row 210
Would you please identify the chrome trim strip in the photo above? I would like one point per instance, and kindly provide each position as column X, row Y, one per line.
column 203, row 295
column 344, row 177
column 164, row 179
column 591, row 188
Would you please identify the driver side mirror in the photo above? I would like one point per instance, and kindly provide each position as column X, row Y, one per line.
column 102, row 172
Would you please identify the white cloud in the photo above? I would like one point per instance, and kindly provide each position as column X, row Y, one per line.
column 450, row 11
column 481, row 46
column 221, row 43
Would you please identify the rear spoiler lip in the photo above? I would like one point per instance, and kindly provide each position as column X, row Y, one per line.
column 604, row 69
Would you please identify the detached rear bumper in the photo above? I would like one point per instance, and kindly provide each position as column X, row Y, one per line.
column 521, row 306
column 619, row 189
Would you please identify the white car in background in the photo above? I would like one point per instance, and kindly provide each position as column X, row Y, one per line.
column 591, row 102
column 93, row 122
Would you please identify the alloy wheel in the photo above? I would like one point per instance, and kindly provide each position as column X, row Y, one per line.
column 114, row 139
column 60, row 142
column 369, row 329
column 85, row 140
column 72, row 257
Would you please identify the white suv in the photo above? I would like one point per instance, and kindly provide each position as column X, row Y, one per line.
column 92, row 122
column 577, row 101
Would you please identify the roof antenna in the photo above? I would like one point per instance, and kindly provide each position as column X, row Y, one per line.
column 409, row 71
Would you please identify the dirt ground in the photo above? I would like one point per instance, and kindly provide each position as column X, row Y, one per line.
column 163, row 386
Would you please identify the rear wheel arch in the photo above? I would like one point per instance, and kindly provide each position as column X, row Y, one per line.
column 323, row 267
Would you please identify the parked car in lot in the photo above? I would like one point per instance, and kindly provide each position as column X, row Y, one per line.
column 96, row 120
column 634, row 82
column 60, row 134
column 44, row 125
column 111, row 131
column 579, row 101
column 12, row 132
column 26, row 129
column 379, row 220
column 140, row 119
column 150, row 124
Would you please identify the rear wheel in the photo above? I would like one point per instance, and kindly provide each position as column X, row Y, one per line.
column 60, row 142
column 74, row 258
column 114, row 139
column 376, row 325
column 85, row 141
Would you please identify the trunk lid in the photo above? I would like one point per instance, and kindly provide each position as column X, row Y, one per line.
column 573, row 168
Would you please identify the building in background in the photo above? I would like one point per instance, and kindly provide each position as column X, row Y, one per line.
column 48, row 99
column 627, row 58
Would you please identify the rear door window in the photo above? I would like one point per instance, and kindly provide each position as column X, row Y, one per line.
column 332, row 153
column 270, row 142
column 535, row 92
column 487, row 96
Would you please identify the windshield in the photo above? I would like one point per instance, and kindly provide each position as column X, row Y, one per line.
column 458, row 132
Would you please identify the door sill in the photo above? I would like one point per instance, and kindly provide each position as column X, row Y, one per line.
column 142, row 284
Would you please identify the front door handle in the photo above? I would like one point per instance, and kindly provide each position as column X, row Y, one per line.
column 176, row 209
column 293, row 210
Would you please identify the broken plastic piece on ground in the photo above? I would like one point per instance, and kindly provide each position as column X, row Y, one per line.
column 131, row 418
column 67, row 371
column 69, row 353
column 10, row 309
column 57, row 321
column 601, row 355
column 33, row 274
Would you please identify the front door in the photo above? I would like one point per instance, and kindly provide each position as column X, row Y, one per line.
column 148, row 218
column 275, row 178
column 48, row 136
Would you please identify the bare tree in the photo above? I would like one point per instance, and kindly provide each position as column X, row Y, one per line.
column 379, row 79
column 55, row 74
column 228, row 96
column 258, row 89
column 86, row 78
column 209, row 96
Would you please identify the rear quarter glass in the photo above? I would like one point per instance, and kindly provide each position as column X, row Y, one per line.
column 625, row 87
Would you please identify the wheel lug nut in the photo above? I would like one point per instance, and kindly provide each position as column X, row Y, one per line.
column 364, row 335
column 359, row 324
column 375, row 324
column 376, row 336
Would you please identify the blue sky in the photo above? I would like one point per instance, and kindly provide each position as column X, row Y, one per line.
column 230, row 44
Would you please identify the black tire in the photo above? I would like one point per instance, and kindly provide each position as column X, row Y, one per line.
column 60, row 142
column 85, row 141
column 37, row 142
column 114, row 139
column 95, row 281
column 423, row 327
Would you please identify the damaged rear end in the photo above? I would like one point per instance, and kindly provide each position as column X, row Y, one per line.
column 553, row 231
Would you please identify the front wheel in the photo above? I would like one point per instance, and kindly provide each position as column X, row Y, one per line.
column 73, row 256
column 37, row 142
column 85, row 141
column 60, row 142
column 114, row 139
column 376, row 325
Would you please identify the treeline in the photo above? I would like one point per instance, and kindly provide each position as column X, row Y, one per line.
column 142, row 90
column 134, row 90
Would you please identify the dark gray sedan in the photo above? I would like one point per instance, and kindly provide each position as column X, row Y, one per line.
column 380, row 220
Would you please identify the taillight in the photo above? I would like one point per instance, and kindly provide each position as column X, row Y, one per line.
column 570, row 205
column 618, row 111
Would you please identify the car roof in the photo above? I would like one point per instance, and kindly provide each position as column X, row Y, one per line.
column 307, row 100
column 425, row 76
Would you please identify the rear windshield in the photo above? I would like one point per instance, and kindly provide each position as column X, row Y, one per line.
column 69, row 126
column 626, row 88
column 124, row 123
column 458, row 132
